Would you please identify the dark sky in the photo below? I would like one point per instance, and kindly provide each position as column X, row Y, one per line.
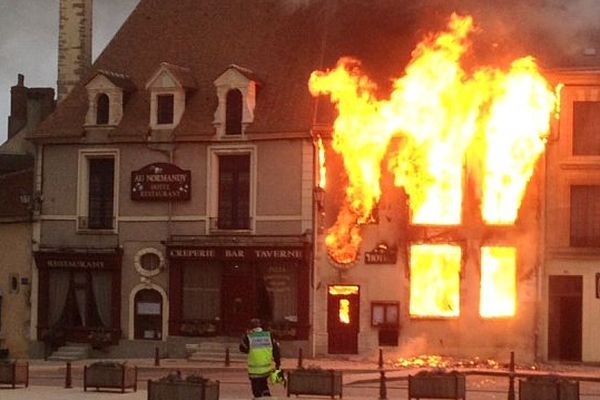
column 29, row 42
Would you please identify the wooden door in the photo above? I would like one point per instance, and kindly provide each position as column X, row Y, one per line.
column 237, row 298
column 564, row 318
column 148, row 317
column 342, row 319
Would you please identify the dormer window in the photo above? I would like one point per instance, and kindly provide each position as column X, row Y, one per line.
column 168, row 88
column 107, row 93
column 236, row 91
column 102, row 109
column 164, row 109
column 233, row 110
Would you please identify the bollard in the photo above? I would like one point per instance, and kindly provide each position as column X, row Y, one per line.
column 300, row 357
column 156, row 357
column 382, row 388
column 68, row 380
column 380, row 358
column 227, row 360
column 511, row 377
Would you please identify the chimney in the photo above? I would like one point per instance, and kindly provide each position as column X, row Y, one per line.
column 18, row 107
column 74, row 44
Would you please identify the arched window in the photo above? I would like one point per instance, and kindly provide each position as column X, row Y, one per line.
column 102, row 110
column 233, row 116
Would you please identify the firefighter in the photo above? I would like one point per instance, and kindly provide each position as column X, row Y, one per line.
column 263, row 352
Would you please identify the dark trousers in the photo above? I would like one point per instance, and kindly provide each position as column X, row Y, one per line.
column 260, row 387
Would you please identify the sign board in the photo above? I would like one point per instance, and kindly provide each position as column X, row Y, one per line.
column 381, row 254
column 161, row 182
column 236, row 253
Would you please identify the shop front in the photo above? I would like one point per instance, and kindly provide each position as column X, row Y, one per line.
column 216, row 289
column 79, row 295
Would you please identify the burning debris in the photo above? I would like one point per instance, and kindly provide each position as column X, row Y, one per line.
column 442, row 362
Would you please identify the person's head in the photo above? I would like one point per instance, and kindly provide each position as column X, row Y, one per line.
column 255, row 323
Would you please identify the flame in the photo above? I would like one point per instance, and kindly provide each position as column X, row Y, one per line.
column 439, row 114
column 498, row 282
column 344, row 311
column 322, row 169
column 557, row 91
column 435, row 280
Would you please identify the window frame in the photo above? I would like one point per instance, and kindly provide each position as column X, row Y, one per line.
column 583, row 145
column 83, row 189
column 214, row 152
column 160, row 111
column 103, row 112
column 590, row 242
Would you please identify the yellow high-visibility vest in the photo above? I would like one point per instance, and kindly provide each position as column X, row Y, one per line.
column 260, row 354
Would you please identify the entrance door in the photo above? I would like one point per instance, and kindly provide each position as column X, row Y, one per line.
column 342, row 319
column 564, row 317
column 237, row 298
column 148, row 315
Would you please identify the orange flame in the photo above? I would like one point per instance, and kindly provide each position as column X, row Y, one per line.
column 441, row 113
column 435, row 280
column 344, row 311
column 322, row 169
column 498, row 282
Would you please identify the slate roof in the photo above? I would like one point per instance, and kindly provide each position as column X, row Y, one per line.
column 282, row 45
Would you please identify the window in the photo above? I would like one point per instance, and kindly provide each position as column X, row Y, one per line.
column 585, row 216
column 233, row 119
column 149, row 262
column 201, row 291
column 435, row 280
column 102, row 109
column 101, row 193
column 498, row 295
column 164, row 109
column 384, row 314
column 234, row 192
column 586, row 128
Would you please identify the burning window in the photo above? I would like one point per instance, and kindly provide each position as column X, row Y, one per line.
column 435, row 280
column 498, row 282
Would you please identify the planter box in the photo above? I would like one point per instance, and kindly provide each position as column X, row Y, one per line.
column 110, row 375
column 327, row 382
column 14, row 373
column 182, row 390
column 548, row 388
column 437, row 385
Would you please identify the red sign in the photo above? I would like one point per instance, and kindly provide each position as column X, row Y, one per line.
column 161, row 182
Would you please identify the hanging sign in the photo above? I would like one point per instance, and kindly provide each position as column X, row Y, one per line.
column 161, row 182
column 381, row 254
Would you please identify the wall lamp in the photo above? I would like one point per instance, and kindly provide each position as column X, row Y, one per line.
column 319, row 196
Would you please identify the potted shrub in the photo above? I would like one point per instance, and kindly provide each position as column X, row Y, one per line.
column 314, row 381
column 437, row 384
column 110, row 374
column 175, row 387
column 548, row 387
column 14, row 373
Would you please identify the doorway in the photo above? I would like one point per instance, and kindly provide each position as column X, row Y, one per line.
column 342, row 319
column 237, row 297
column 564, row 317
column 148, row 319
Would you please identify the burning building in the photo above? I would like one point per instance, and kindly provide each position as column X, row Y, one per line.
column 445, row 249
